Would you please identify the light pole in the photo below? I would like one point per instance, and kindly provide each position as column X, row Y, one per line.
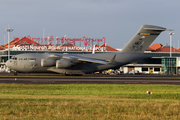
column 171, row 34
column 9, row 30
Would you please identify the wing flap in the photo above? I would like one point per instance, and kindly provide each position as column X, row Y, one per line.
column 79, row 58
column 92, row 60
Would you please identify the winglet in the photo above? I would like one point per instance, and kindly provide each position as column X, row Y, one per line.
column 112, row 60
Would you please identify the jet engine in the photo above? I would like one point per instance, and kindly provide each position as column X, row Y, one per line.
column 47, row 62
column 63, row 63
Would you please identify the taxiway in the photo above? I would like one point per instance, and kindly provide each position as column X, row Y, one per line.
column 89, row 79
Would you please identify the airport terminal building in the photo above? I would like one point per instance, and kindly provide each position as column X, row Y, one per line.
column 159, row 63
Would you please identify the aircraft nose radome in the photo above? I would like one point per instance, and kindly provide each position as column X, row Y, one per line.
column 7, row 63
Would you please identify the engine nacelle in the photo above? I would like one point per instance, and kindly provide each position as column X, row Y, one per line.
column 47, row 62
column 63, row 63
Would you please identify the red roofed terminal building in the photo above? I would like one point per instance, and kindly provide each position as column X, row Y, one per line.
column 160, row 63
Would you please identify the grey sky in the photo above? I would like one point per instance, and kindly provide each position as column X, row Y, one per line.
column 116, row 20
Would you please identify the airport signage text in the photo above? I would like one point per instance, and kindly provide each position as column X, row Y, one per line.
column 52, row 48
column 87, row 41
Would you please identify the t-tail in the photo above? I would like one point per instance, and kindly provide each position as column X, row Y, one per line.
column 144, row 37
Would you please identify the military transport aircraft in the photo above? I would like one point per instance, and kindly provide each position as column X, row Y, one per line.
column 78, row 64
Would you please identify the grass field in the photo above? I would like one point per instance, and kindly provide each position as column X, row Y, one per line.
column 89, row 101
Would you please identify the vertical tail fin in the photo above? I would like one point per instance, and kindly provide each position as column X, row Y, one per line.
column 144, row 37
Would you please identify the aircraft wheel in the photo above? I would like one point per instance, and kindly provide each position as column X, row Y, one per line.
column 78, row 74
column 15, row 73
column 67, row 74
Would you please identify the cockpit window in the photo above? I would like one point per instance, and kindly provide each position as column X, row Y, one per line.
column 14, row 58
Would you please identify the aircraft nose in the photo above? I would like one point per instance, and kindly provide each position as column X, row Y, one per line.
column 8, row 63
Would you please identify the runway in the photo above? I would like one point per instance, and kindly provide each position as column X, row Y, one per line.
column 89, row 79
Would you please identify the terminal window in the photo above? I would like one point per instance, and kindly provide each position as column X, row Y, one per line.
column 144, row 69
column 156, row 69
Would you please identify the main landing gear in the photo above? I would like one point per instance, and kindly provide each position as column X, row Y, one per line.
column 15, row 73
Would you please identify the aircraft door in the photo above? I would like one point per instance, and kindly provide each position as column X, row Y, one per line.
column 34, row 65
column 30, row 67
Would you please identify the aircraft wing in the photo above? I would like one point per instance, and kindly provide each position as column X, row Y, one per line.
column 79, row 58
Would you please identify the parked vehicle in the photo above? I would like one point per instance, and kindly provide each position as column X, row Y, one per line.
column 135, row 72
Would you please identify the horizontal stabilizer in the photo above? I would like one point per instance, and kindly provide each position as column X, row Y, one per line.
column 154, row 29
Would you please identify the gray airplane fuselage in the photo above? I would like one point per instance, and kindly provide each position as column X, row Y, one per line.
column 32, row 62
